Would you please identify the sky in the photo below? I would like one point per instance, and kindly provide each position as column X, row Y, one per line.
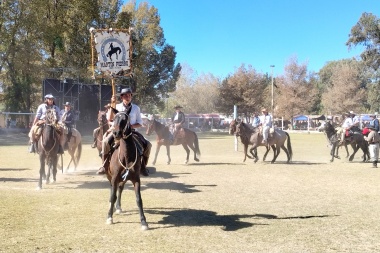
column 218, row 36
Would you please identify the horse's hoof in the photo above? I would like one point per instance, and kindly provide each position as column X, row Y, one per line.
column 186, row 162
column 38, row 188
column 118, row 211
column 144, row 227
column 109, row 221
column 47, row 182
column 196, row 159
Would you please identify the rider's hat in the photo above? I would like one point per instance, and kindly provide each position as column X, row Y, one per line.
column 67, row 104
column 329, row 118
column 49, row 96
column 264, row 110
column 352, row 113
column 125, row 91
column 373, row 115
column 178, row 107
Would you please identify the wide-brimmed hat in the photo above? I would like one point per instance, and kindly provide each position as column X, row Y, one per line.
column 178, row 107
column 67, row 104
column 352, row 113
column 372, row 115
column 264, row 110
column 125, row 91
column 49, row 96
column 329, row 117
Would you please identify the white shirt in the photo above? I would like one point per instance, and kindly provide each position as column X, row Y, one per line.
column 134, row 115
column 347, row 122
column 266, row 120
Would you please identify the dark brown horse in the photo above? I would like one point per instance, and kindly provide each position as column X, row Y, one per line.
column 47, row 147
column 101, row 130
column 356, row 140
column 185, row 137
column 125, row 164
column 245, row 140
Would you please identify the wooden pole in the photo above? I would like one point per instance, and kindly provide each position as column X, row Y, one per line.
column 113, row 98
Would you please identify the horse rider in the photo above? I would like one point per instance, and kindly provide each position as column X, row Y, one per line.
column 349, row 124
column 109, row 117
column 178, row 119
column 135, row 121
column 373, row 140
column 67, row 121
column 256, row 120
column 266, row 123
column 39, row 120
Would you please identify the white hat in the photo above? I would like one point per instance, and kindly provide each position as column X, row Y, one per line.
column 49, row 96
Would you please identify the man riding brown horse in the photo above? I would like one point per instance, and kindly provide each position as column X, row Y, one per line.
column 178, row 120
column 135, row 121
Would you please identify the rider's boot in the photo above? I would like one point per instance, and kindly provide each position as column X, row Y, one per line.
column 144, row 161
column 102, row 170
column 32, row 148
column 60, row 150
column 93, row 145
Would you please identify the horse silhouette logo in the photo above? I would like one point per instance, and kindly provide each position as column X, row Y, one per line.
column 113, row 50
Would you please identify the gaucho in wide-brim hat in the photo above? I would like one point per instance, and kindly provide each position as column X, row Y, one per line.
column 178, row 107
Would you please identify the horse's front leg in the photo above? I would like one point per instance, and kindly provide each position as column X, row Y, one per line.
column 42, row 171
column 168, row 154
column 113, row 198
column 267, row 151
column 156, row 154
column 345, row 146
column 187, row 152
column 54, row 167
column 118, row 198
column 245, row 152
column 139, row 202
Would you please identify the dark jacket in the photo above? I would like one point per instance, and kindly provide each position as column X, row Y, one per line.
column 68, row 118
column 375, row 123
column 181, row 118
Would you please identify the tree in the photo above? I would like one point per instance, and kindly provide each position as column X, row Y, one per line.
column 366, row 32
column 297, row 94
column 345, row 87
column 245, row 89
column 153, row 59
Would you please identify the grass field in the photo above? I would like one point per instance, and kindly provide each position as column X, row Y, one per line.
column 217, row 205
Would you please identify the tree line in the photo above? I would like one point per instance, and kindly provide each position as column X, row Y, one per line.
column 50, row 39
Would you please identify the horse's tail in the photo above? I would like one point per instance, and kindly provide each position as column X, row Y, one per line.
column 78, row 153
column 289, row 146
column 196, row 144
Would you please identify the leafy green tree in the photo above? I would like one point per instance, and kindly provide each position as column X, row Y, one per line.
column 366, row 32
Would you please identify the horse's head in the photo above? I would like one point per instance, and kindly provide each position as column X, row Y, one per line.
column 102, row 119
column 232, row 128
column 51, row 117
column 122, row 127
column 150, row 126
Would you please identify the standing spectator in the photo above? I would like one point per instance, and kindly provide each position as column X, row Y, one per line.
column 374, row 122
column 373, row 139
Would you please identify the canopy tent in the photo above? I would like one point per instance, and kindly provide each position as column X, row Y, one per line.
column 300, row 117
column 365, row 117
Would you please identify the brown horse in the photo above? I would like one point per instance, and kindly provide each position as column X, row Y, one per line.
column 125, row 164
column 47, row 147
column 277, row 139
column 185, row 137
column 246, row 141
column 74, row 148
column 101, row 130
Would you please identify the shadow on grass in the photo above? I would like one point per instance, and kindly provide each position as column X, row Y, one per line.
column 193, row 217
column 13, row 169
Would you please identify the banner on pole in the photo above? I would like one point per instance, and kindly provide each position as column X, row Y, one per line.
column 113, row 52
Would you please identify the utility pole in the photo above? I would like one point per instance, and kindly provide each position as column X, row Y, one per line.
column 272, row 66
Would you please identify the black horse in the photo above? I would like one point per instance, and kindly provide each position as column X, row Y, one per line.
column 125, row 164
column 185, row 137
column 113, row 50
column 356, row 140
column 47, row 147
